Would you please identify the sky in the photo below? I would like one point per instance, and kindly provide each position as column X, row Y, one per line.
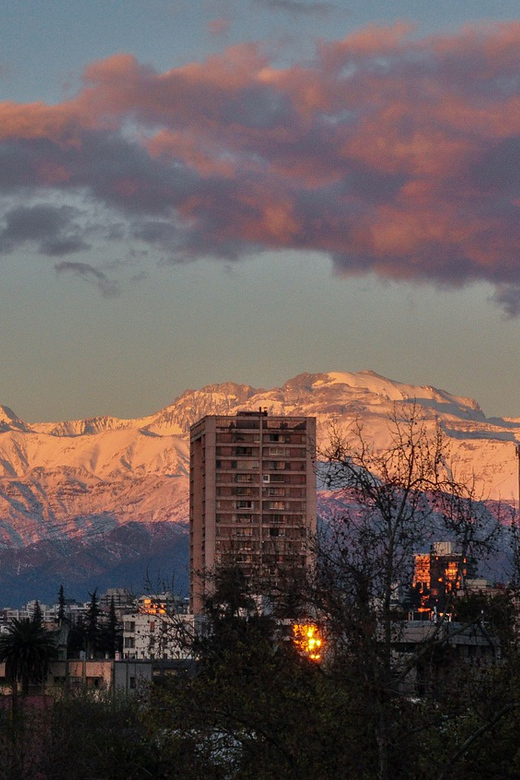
column 201, row 191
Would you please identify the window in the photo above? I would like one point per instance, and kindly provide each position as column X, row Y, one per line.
column 243, row 451
column 129, row 625
column 246, row 464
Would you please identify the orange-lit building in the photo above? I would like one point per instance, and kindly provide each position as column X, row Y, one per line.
column 437, row 576
column 252, row 496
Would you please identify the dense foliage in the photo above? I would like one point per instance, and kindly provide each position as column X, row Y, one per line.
column 258, row 709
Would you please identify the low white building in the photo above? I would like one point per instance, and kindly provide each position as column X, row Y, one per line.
column 157, row 631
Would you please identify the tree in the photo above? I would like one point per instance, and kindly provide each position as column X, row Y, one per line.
column 111, row 635
column 27, row 651
column 257, row 706
column 37, row 614
column 397, row 501
column 92, row 628
column 77, row 638
column 94, row 736
column 61, row 605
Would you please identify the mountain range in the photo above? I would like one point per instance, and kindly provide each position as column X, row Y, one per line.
column 104, row 501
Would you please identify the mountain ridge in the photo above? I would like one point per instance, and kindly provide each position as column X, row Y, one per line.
column 74, row 482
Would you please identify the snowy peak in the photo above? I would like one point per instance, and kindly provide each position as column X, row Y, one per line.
column 88, row 427
column 321, row 394
column 369, row 384
column 189, row 407
column 10, row 422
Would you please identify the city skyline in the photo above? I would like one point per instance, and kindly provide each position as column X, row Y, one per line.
column 224, row 191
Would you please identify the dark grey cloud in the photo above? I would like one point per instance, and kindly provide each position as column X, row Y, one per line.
column 52, row 228
column 108, row 166
column 124, row 175
column 298, row 6
column 109, row 288
column 499, row 167
column 155, row 231
column 509, row 299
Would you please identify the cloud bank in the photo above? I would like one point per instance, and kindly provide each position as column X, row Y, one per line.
column 393, row 155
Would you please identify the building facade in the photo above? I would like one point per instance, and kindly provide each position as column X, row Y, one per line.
column 252, row 497
column 167, row 637
column 438, row 576
column 77, row 674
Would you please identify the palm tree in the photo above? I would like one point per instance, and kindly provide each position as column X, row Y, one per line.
column 27, row 651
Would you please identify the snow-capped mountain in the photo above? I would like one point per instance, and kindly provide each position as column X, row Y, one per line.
column 69, row 489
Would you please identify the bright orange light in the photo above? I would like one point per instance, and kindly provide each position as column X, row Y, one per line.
column 307, row 639
column 149, row 607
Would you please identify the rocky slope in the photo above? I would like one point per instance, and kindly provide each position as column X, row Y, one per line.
column 69, row 489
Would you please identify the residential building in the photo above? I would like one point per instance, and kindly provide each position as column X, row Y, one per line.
column 102, row 675
column 252, row 497
column 158, row 629
column 438, row 576
column 424, row 652
column 122, row 598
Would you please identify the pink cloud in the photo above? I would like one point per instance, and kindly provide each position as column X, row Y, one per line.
column 218, row 26
column 394, row 155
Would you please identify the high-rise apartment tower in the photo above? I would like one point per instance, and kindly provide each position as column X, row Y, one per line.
column 252, row 497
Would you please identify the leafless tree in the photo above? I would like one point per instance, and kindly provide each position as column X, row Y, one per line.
column 397, row 501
